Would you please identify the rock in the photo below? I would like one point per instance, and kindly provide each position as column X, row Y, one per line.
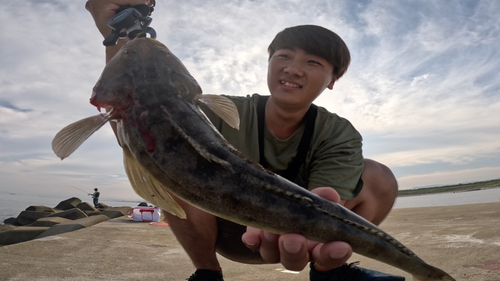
column 68, row 203
column 102, row 206
column 92, row 213
column 21, row 234
column 29, row 217
column 73, row 225
column 40, row 209
column 11, row 221
column 5, row 227
column 116, row 212
column 85, row 206
column 71, row 214
column 50, row 221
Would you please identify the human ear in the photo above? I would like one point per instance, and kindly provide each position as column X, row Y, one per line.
column 330, row 86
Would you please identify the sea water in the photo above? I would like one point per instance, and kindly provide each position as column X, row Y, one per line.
column 449, row 199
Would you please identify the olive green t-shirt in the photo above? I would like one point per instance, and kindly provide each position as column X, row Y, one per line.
column 334, row 158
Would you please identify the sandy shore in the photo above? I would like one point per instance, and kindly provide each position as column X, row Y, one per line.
column 462, row 240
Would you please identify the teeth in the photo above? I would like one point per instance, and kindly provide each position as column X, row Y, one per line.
column 289, row 84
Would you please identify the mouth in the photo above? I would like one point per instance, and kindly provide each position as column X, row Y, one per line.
column 289, row 84
column 107, row 108
column 108, row 101
column 100, row 106
column 97, row 104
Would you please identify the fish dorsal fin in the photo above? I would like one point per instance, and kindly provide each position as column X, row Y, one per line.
column 149, row 188
column 223, row 107
column 72, row 136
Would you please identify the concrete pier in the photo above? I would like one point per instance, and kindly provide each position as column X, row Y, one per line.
column 462, row 240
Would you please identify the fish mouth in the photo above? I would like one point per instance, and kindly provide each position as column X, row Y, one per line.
column 100, row 105
column 108, row 101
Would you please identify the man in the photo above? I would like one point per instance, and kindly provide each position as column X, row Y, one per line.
column 303, row 62
column 95, row 196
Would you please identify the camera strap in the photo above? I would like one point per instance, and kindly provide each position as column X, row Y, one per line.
column 310, row 118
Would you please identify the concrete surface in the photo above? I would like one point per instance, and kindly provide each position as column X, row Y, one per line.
column 462, row 240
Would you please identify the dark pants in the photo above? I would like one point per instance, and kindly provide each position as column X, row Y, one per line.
column 96, row 200
column 230, row 246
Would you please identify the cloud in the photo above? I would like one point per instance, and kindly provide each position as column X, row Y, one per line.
column 422, row 87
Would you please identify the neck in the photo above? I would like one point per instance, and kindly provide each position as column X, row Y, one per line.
column 281, row 121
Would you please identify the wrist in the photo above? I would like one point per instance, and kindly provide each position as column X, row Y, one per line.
column 112, row 50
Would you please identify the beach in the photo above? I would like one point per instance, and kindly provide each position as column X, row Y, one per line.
column 463, row 240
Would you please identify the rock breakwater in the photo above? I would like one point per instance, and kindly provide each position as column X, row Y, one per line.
column 42, row 221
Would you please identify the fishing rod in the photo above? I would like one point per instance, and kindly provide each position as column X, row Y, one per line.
column 79, row 189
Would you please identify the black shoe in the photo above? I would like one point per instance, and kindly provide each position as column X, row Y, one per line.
column 350, row 272
column 206, row 275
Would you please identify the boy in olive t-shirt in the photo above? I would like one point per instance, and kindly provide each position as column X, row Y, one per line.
column 303, row 62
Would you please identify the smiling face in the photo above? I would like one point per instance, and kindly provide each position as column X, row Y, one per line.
column 297, row 78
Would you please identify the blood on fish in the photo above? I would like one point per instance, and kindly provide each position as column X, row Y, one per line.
column 149, row 140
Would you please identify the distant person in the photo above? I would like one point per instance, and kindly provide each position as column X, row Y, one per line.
column 95, row 196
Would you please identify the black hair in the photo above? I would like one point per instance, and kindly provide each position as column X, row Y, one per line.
column 314, row 40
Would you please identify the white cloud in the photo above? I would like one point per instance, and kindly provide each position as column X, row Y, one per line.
column 422, row 87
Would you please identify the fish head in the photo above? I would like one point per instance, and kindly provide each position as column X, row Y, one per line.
column 114, row 89
column 141, row 62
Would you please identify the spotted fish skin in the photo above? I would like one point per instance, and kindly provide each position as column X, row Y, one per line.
column 155, row 101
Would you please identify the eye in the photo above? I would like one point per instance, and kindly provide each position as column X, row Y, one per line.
column 314, row 62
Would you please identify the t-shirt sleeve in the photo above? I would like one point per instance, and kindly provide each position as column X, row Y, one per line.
column 337, row 160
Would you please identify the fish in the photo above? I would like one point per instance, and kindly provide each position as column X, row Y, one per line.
column 170, row 147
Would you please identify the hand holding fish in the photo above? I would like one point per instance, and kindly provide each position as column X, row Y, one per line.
column 294, row 251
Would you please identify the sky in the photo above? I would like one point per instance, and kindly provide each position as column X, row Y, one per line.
column 423, row 86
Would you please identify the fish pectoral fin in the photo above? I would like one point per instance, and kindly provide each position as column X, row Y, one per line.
column 223, row 107
column 148, row 187
column 72, row 136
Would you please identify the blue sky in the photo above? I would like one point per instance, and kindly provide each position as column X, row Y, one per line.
column 423, row 86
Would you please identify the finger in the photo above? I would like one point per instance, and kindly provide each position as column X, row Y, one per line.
column 294, row 253
column 327, row 193
column 311, row 245
column 331, row 255
column 269, row 249
column 252, row 237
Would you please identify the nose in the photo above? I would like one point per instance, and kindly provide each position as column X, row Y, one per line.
column 294, row 68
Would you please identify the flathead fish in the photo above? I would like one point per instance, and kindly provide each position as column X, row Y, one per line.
column 169, row 145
